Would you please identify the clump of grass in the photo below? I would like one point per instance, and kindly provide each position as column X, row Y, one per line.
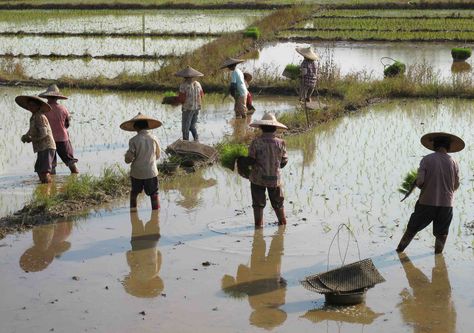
column 252, row 32
column 395, row 69
column 292, row 71
column 229, row 152
column 407, row 185
column 461, row 53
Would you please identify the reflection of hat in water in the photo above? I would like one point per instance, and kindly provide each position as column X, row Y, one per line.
column 188, row 72
column 268, row 119
column 231, row 61
column 308, row 53
column 267, row 317
column 143, row 280
column 52, row 91
column 24, row 102
column 145, row 289
column 128, row 125
column 455, row 143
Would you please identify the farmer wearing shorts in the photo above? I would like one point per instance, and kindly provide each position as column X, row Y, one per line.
column 267, row 155
column 438, row 178
column 308, row 73
column 238, row 88
column 143, row 151
column 40, row 135
column 59, row 121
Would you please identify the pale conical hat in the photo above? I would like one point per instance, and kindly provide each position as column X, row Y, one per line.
column 456, row 143
column 307, row 52
column 188, row 72
column 52, row 91
column 128, row 125
column 23, row 101
column 231, row 61
column 268, row 119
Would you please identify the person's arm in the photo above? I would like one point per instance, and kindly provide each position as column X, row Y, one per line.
column 420, row 178
column 67, row 118
column 181, row 95
column 284, row 158
column 252, row 158
column 456, row 176
column 157, row 150
column 130, row 154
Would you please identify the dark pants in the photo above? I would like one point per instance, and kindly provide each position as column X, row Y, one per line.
column 188, row 123
column 424, row 215
column 258, row 196
column 44, row 161
column 65, row 152
column 150, row 185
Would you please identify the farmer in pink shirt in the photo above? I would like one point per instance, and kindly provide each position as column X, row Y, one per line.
column 59, row 121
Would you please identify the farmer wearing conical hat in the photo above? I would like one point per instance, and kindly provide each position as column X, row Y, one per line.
column 143, row 151
column 308, row 72
column 40, row 135
column 190, row 96
column 59, row 120
column 250, row 108
column 267, row 154
column 238, row 88
column 438, row 178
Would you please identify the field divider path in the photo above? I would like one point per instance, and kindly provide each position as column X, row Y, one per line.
column 191, row 34
column 89, row 56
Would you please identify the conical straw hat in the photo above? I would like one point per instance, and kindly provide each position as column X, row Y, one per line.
column 456, row 143
column 52, row 91
column 128, row 125
column 307, row 52
column 231, row 61
column 188, row 72
column 268, row 119
column 23, row 101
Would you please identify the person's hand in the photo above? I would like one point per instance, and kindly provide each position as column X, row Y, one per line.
column 25, row 138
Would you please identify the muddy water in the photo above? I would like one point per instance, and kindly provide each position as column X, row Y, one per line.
column 96, row 136
column 100, row 273
column 358, row 57
column 68, row 21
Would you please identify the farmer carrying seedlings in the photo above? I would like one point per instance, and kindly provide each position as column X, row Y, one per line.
column 59, row 121
column 267, row 155
column 40, row 135
column 308, row 72
column 438, row 178
column 143, row 151
column 238, row 88
column 190, row 96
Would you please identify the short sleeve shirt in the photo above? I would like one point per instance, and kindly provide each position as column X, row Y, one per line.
column 237, row 77
column 143, row 150
column 40, row 133
column 309, row 72
column 268, row 152
column 57, row 120
column 193, row 92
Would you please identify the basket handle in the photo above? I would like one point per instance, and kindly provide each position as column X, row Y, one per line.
column 351, row 234
column 386, row 58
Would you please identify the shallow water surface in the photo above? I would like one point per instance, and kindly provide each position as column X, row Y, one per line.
column 117, row 272
column 357, row 57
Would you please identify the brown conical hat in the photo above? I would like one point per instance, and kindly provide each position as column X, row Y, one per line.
column 307, row 52
column 231, row 61
column 268, row 119
column 456, row 143
column 128, row 125
column 23, row 101
column 52, row 91
column 188, row 72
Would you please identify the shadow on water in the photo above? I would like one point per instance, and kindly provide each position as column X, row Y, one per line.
column 144, row 259
column 428, row 307
column 261, row 282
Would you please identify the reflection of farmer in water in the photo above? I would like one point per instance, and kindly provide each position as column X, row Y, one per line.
column 261, row 282
column 144, row 259
column 429, row 308
column 49, row 241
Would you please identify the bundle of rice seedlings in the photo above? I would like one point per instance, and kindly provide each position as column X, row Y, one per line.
column 252, row 32
column 229, row 152
column 408, row 183
column 169, row 97
column 292, row 71
column 461, row 53
column 395, row 69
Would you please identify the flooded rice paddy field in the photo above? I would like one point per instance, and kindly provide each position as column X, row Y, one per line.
column 352, row 57
column 118, row 272
column 97, row 139
column 120, row 21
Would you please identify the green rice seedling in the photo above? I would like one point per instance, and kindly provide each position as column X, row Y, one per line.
column 396, row 69
column 229, row 152
column 461, row 53
column 252, row 32
column 170, row 97
column 170, row 94
column 407, row 185
column 292, row 71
